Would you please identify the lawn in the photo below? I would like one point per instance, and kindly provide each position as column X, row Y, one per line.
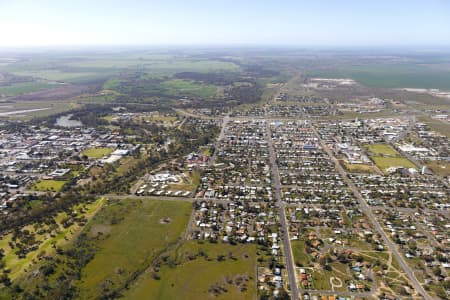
column 97, row 152
column 194, row 274
column 129, row 235
column 49, row 185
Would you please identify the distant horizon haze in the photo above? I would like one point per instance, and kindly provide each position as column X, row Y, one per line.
column 201, row 23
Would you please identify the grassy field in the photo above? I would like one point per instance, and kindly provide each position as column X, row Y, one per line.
column 358, row 168
column 300, row 256
column 129, row 234
column 160, row 119
column 26, row 87
column 439, row 167
column 45, row 108
column 384, row 156
column 97, row 152
column 192, row 278
column 49, row 185
column 386, row 162
column 382, row 149
column 179, row 87
column 390, row 75
column 57, row 75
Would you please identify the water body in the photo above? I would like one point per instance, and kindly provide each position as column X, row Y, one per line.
column 65, row 121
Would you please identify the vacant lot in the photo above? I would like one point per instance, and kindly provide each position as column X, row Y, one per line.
column 97, row 152
column 49, row 185
column 358, row 168
column 129, row 235
column 439, row 167
column 194, row 270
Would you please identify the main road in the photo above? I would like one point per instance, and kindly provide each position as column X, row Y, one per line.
column 290, row 267
column 368, row 211
column 225, row 121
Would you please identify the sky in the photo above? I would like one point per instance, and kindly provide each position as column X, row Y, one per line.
column 379, row 23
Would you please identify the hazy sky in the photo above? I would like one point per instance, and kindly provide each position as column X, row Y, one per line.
column 223, row 22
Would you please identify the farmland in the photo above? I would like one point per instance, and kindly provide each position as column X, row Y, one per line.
column 23, row 88
column 390, row 75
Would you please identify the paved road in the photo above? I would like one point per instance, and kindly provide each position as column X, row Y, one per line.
column 290, row 267
column 367, row 210
column 219, row 138
column 165, row 198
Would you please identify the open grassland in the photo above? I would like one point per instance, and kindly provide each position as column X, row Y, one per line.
column 26, row 87
column 129, row 234
column 390, row 75
column 59, row 236
column 49, row 185
column 194, row 269
column 97, row 152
